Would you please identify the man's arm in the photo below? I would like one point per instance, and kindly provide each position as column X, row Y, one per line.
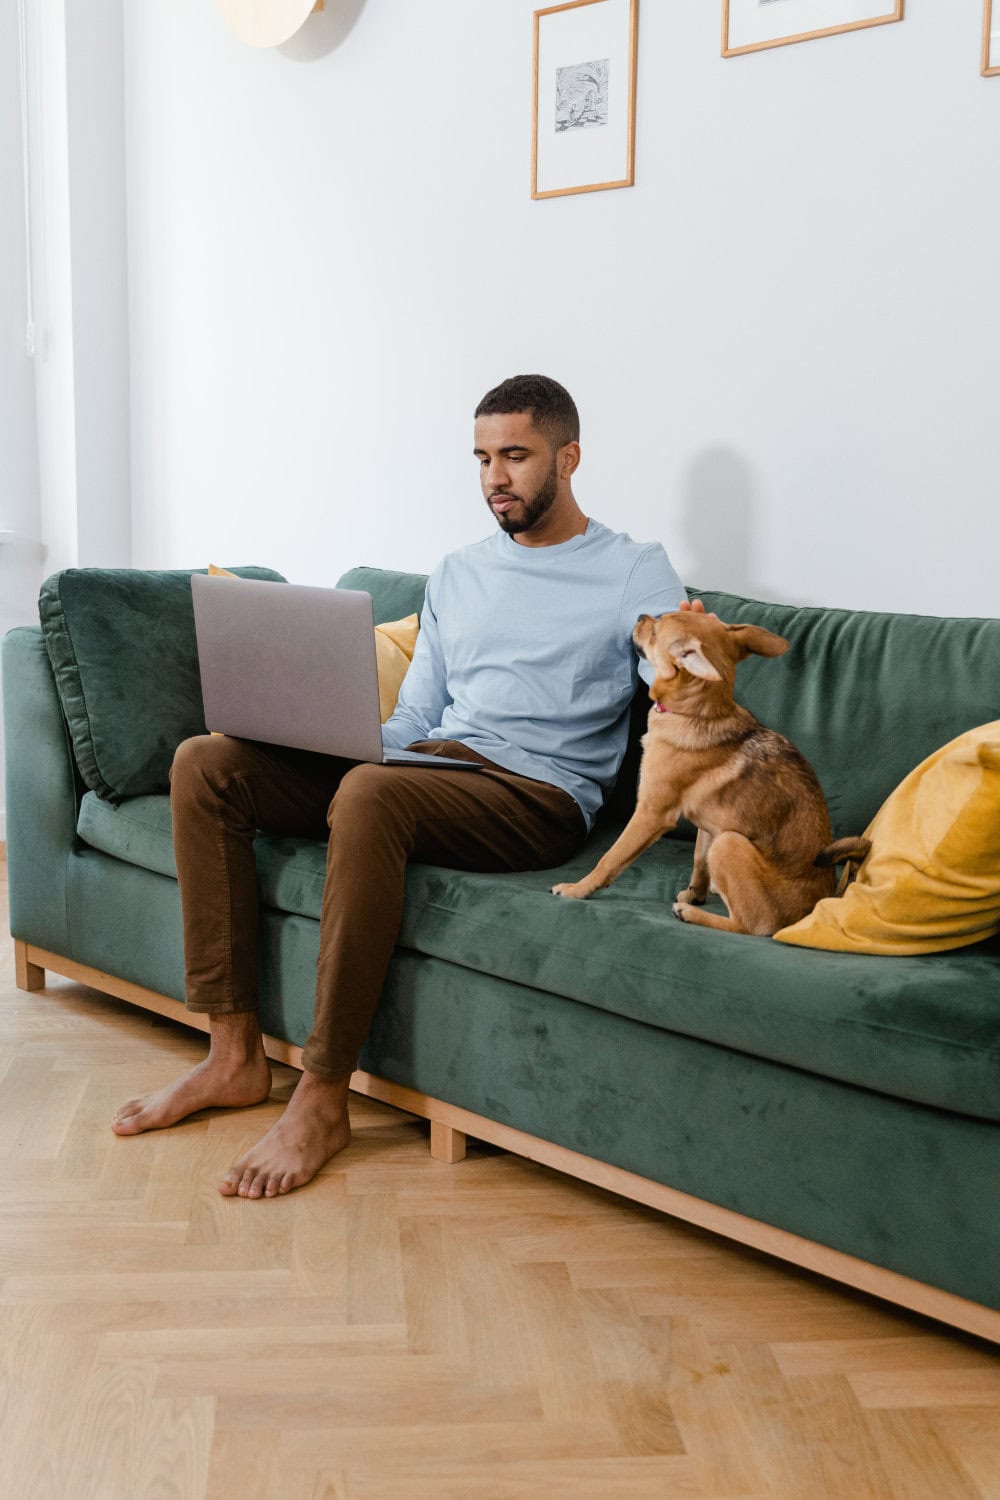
column 653, row 588
column 424, row 695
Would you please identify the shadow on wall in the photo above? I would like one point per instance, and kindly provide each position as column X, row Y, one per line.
column 324, row 32
column 718, row 529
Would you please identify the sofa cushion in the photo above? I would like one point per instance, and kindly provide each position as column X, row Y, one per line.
column 122, row 646
column 395, row 643
column 866, row 697
column 931, row 880
column 925, row 1029
column 393, row 594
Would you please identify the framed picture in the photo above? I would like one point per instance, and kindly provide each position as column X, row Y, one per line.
column 991, row 40
column 583, row 110
column 752, row 25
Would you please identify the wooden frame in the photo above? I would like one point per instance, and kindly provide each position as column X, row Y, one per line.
column 893, row 8
column 450, row 1126
column 987, row 70
column 628, row 177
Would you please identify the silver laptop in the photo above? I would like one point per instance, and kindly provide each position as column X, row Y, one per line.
column 293, row 665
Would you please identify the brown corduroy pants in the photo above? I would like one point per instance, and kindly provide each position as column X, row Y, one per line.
column 375, row 818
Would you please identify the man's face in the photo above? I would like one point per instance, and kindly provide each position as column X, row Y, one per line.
column 517, row 470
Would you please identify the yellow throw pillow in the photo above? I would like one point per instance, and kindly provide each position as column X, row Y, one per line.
column 395, row 643
column 932, row 878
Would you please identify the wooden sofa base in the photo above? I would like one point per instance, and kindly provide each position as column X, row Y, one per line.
column 450, row 1126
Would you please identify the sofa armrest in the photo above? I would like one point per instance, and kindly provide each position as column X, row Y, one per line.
column 41, row 793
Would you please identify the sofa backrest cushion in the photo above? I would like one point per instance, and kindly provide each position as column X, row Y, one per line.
column 393, row 594
column 866, row 697
column 122, row 646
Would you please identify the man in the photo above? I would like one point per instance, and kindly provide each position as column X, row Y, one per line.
column 524, row 663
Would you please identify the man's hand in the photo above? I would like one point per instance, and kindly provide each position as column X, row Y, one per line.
column 695, row 607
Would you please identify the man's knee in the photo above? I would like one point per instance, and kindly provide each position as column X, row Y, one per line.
column 212, row 757
column 368, row 795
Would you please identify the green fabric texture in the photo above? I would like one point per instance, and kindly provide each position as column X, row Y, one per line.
column 41, row 787
column 926, row 1029
column 906, row 1187
column 866, row 697
column 127, row 922
column 394, row 595
column 901, row 1185
column 122, row 646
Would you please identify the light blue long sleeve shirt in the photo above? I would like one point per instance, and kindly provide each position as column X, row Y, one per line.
column 525, row 654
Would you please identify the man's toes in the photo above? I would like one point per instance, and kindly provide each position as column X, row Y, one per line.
column 132, row 1123
column 251, row 1183
column 234, row 1181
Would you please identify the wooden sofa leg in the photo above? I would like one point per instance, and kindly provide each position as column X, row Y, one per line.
column 29, row 976
column 447, row 1144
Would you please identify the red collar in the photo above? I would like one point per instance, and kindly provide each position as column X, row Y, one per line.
column 659, row 709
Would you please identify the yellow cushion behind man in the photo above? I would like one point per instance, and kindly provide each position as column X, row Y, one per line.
column 932, row 878
column 395, row 643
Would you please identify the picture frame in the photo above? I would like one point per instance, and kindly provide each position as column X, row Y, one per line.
column 583, row 97
column 754, row 25
column 991, row 41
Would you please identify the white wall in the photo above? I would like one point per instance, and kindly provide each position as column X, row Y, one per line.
column 99, row 272
column 79, row 261
column 783, row 340
column 20, row 563
column 65, row 484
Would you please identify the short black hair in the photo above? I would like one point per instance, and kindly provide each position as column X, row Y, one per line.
column 552, row 408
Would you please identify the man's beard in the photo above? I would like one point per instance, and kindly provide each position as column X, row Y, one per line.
column 531, row 511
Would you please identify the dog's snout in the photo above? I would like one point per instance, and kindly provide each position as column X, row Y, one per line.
column 640, row 629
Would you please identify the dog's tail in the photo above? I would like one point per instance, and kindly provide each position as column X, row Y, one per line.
column 843, row 851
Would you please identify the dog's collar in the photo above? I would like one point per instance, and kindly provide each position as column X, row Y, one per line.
column 659, row 709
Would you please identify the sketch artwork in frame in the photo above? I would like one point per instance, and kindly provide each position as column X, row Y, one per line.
column 752, row 25
column 991, row 38
column 583, row 105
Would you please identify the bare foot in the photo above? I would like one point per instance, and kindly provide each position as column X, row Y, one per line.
column 313, row 1128
column 217, row 1082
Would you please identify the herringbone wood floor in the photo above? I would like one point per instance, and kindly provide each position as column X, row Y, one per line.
column 405, row 1330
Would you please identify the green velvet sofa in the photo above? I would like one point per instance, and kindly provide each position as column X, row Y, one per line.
column 842, row 1112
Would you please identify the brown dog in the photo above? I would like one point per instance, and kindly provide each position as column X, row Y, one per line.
column 763, row 827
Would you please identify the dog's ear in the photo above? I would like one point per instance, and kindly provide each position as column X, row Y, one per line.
column 689, row 655
column 754, row 638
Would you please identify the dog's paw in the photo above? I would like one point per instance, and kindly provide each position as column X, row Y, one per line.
column 688, row 898
column 573, row 892
column 681, row 908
